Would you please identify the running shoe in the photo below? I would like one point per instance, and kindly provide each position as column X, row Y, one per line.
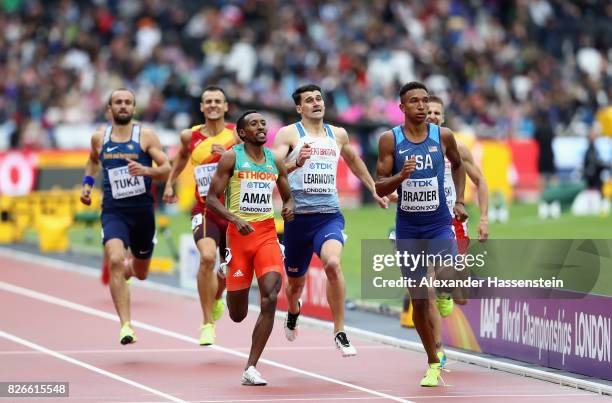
column 252, row 377
column 207, row 334
column 344, row 345
column 291, row 323
column 445, row 305
column 218, row 309
column 127, row 335
column 432, row 375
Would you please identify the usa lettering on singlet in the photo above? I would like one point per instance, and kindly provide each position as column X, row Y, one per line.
column 423, row 192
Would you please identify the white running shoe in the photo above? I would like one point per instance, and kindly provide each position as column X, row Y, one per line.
column 252, row 377
column 344, row 345
column 291, row 323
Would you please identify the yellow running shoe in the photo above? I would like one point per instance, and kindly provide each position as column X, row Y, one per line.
column 445, row 305
column 218, row 309
column 207, row 334
column 431, row 376
column 127, row 335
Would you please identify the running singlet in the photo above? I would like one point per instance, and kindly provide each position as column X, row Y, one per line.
column 122, row 190
column 421, row 196
column 313, row 185
column 203, row 160
column 449, row 186
column 249, row 193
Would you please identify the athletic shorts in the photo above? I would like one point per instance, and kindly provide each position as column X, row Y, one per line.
column 206, row 224
column 425, row 240
column 135, row 227
column 258, row 252
column 305, row 235
column 461, row 233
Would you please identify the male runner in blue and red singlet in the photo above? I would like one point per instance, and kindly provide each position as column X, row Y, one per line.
column 411, row 162
column 125, row 151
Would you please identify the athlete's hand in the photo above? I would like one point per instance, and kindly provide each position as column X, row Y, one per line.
column 408, row 168
column 392, row 197
column 243, row 227
column 459, row 212
column 483, row 229
column 169, row 196
column 136, row 168
column 383, row 202
column 304, row 154
column 86, row 195
column 287, row 212
column 218, row 149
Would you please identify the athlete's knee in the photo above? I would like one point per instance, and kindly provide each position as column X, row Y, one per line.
column 207, row 260
column 295, row 286
column 420, row 304
column 116, row 261
column 238, row 315
column 332, row 267
column 268, row 302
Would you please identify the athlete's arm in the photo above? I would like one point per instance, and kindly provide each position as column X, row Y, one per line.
column 178, row 165
column 357, row 166
column 284, row 140
column 218, row 184
column 385, row 182
column 153, row 147
column 92, row 166
column 482, row 190
column 457, row 169
column 282, row 183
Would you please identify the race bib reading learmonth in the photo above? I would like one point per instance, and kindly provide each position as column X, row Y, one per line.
column 125, row 185
column 419, row 195
column 256, row 196
column 319, row 177
column 203, row 176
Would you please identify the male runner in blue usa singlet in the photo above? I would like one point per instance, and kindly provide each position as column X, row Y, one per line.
column 311, row 150
column 411, row 162
column 125, row 152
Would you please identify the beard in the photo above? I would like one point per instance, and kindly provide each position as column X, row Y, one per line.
column 122, row 120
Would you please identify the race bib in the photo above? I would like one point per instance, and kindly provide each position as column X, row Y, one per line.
column 319, row 177
column 256, row 196
column 420, row 195
column 125, row 185
column 203, row 176
column 449, row 186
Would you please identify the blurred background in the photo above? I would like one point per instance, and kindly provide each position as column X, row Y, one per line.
column 527, row 86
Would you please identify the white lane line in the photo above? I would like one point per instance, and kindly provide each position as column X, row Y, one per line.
column 141, row 325
column 90, row 367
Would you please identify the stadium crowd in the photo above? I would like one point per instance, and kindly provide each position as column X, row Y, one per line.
column 501, row 66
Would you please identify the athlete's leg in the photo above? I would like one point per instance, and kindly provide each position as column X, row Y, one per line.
column 207, row 278
column 238, row 304
column 336, row 288
column 115, row 252
column 422, row 317
column 269, row 286
column 298, row 254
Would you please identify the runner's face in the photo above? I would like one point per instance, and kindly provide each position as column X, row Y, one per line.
column 311, row 105
column 122, row 107
column 255, row 129
column 213, row 105
column 415, row 105
column 435, row 114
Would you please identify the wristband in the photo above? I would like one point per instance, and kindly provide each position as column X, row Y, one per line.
column 462, row 203
column 88, row 180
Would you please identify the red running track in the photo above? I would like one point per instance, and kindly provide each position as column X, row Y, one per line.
column 58, row 325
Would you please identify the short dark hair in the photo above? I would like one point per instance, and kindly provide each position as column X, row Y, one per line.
column 297, row 94
column 436, row 99
column 110, row 97
column 413, row 85
column 214, row 88
column 240, row 123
